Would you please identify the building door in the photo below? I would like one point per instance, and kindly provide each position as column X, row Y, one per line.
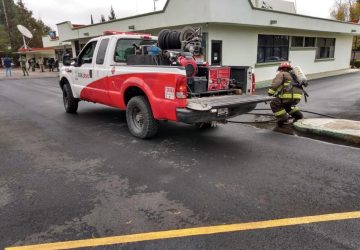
column 216, row 52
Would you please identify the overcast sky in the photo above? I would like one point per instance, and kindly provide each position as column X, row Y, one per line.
column 79, row 11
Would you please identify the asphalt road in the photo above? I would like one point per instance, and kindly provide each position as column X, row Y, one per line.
column 68, row 177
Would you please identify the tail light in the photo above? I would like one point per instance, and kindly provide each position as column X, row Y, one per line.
column 253, row 84
column 181, row 87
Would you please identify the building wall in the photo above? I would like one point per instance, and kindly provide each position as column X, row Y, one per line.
column 240, row 49
column 182, row 13
column 280, row 5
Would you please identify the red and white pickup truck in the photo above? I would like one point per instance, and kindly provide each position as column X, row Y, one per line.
column 140, row 74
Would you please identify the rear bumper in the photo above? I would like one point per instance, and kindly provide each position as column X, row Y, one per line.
column 207, row 109
column 192, row 116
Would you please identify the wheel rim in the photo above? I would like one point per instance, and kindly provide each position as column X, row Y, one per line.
column 137, row 118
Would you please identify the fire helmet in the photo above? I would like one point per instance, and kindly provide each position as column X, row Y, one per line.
column 285, row 65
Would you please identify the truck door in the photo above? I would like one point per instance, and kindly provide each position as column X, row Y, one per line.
column 100, row 87
column 84, row 67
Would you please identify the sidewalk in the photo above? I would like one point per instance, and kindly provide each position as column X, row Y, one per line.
column 346, row 130
column 18, row 75
column 267, row 83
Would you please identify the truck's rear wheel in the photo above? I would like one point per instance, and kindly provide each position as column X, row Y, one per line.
column 140, row 119
column 206, row 125
column 70, row 103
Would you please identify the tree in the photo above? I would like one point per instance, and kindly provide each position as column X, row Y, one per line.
column 112, row 14
column 102, row 18
column 19, row 14
column 346, row 10
column 4, row 38
column 354, row 11
column 92, row 20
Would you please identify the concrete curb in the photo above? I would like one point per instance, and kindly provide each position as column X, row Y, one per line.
column 346, row 130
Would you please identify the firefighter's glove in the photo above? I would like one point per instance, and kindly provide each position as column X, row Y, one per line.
column 271, row 92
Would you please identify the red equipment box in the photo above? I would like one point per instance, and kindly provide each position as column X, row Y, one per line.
column 219, row 78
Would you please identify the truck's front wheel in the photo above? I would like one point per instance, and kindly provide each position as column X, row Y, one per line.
column 140, row 119
column 70, row 103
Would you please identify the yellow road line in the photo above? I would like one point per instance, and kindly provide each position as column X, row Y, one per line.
column 191, row 232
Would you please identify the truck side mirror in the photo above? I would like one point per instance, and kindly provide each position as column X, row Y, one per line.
column 86, row 60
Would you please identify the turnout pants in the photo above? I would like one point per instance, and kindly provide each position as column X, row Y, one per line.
column 24, row 70
column 284, row 107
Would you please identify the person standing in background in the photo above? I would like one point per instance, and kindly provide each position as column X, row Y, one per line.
column 22, row 61
column 41, row 64
column 51, row 63
column 8, row 66
column 56, row 65
column 33, row 64
column 29, row 62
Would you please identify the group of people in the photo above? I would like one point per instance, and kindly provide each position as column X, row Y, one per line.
column 32, row 63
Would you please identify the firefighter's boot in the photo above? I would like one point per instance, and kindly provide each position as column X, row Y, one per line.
column 283, row 121
column 297, row 115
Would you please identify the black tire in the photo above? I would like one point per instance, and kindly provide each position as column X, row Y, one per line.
column 70, row 103
column 140, row 119
column 205, row 125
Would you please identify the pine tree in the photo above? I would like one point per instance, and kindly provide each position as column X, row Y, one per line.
column 112, row 14
column 102, row 18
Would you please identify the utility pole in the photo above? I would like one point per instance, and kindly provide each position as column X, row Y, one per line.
column 7, row 24
column 155, row 5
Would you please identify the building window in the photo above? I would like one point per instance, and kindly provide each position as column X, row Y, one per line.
column 309, row 42
column 297, row 41
column 325, row 48
column 272, row 48
column 302, row 42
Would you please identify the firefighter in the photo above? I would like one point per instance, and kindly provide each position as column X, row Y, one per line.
column 288, row 92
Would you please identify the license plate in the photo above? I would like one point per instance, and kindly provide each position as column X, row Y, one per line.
column 223, row 112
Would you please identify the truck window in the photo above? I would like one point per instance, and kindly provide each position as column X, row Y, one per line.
column 125, row 47
column 87, row 53
column 102, row 51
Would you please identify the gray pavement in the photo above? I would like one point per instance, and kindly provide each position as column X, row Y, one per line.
column 68, row 177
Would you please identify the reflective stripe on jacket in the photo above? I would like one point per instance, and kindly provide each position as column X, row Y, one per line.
column 282, row 86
